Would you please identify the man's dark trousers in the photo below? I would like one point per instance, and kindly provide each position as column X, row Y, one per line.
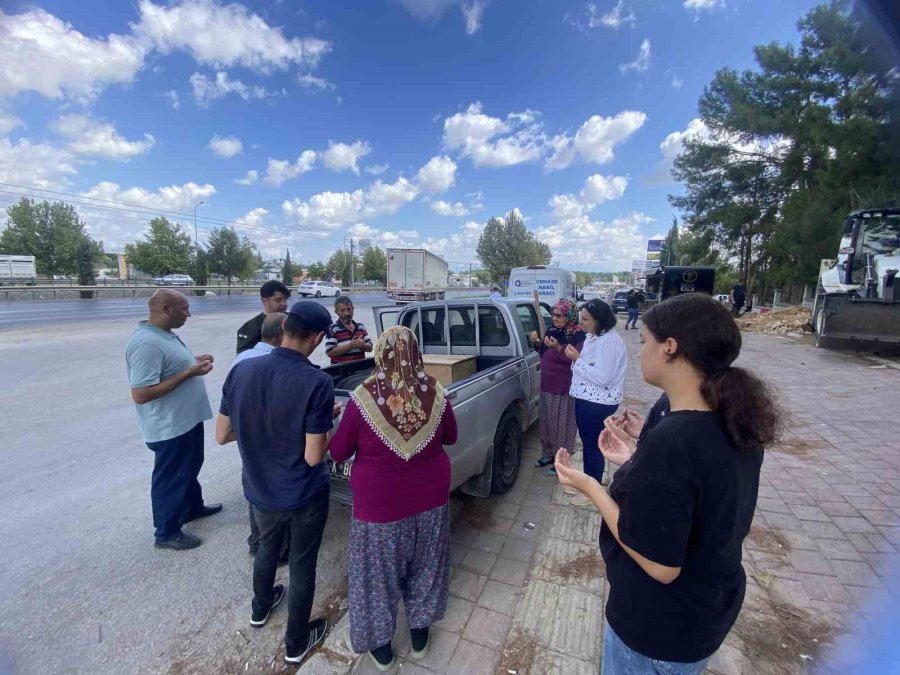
column 253, row 539
column 633, row 313
column 175, row 491
column 306, row 526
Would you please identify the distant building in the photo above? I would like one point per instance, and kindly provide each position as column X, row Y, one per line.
column 364, row 246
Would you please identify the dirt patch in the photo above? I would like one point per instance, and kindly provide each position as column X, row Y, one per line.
column 584, row 567
column 785, row 641
column 477, row 517
column 518, row 654
column 778, row 322
column 770, row 540
column 793, row 446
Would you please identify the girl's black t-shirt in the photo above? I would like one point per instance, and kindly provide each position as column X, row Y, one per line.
column 686, row 499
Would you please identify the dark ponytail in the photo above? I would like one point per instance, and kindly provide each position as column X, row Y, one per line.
column 709, row 339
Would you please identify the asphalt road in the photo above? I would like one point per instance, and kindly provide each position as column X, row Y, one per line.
column 82, row 590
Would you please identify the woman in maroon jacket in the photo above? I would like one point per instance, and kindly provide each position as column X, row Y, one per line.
column 396, row 424
column 557, row 408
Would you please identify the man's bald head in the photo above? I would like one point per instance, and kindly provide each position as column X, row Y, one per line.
column 168, row 309
column 272, row 331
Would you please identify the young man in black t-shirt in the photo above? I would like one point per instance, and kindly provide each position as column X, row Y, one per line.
column 738, row 297
column 274, row 296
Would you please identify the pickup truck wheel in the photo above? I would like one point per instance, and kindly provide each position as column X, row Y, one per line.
column 507, row 453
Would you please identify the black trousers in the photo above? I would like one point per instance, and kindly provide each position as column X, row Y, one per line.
column 305, row 527
column 175, row 492
column 253, row 539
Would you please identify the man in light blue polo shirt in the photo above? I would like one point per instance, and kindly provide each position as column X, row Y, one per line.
column 171, row 403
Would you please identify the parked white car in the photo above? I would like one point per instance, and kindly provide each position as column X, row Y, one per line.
column 174, row 280
column 318, row 289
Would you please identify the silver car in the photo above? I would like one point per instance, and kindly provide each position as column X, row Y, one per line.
column 175, row 280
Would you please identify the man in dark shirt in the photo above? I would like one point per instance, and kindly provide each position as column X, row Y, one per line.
column 633, row 301
column 280, row 410
column 274, row 296
column 347, row 339
column 738, row 297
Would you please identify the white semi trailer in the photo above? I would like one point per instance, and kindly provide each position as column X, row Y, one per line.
column 415, row 275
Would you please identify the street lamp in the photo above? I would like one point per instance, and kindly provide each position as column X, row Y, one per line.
column 196, row 245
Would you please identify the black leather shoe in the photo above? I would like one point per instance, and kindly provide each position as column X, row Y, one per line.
column 182, row 542
column 206, row 510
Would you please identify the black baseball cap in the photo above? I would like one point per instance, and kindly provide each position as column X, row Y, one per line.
column 312, row 316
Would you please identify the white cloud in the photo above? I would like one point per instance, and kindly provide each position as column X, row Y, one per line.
column 207, row 90
column 673, row 145
column 254, row 218
column 174, row 98
column 9, row 123
column 595, row 141
column 332, row 210
column 342, row 157
column 376, row 169
column 431, row 10
column 641, row 63
column 491, row 141
column 677, row 82
column 472, row 12
column 93, row 138
column 596, row 244
column 308, row 81
column 596, row 190
column 443, row 208
column 168, row 198
column 224, row 36
column 438, row 175
column 703, row 5
column 38, row 165
column 227, row 146
column 251, row 177
column 279, row 171
column 616, row 17
column 43, row 54
column 456, row 247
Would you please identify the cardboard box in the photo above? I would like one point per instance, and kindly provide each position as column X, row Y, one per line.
column 447, row 369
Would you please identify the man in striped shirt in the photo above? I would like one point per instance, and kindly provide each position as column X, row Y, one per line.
column 346, row 340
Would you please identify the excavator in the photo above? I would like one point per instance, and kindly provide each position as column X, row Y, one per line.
column 857, row 303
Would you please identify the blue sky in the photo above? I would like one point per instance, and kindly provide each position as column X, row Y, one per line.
column 410, row 122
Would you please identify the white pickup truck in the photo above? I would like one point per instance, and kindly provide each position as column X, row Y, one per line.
column 493, row 406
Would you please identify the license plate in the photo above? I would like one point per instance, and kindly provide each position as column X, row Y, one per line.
column 341, row 469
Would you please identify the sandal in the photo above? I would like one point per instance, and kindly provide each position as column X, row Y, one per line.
column 542, row 462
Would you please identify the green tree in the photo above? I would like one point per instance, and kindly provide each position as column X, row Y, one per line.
column 200, row 269
column 807, row 136
column 317, row 271
column 506, row 243
column 583, row 279
column 231, row 256
column 374, row 265
column 87, row 255
column 166, row 249
column 287, row 271
column 338, row 265
column 50, row 231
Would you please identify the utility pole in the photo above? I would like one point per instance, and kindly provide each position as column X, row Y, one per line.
column 196, row 245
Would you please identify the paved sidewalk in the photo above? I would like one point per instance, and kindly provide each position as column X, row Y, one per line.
column 528, row 584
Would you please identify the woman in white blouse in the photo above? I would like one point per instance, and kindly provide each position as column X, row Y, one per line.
column 598, row 379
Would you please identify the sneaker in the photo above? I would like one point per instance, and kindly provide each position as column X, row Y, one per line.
column 383, row 657
column 542, row 462
column 259, row 620
column 181, row 542
column 317, row 631
column 419, row 638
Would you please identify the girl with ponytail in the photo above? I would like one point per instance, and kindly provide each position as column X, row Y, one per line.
column 682, row 501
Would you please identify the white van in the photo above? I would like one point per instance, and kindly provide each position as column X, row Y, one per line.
column 551, row 283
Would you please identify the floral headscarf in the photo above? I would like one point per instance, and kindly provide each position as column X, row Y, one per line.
column 568, row 309
column 400, row 401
